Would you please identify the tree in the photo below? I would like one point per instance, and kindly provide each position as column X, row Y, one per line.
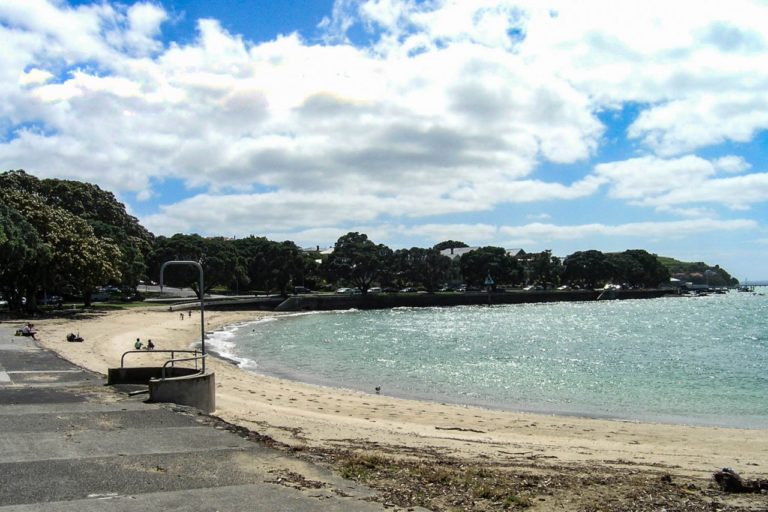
column 276, row 265
column 22, row 254
column 423, row 267
column 449, row 244
column 587, row 268
column 216, row 255
column 100, row 209
column 493, row 261
column 625, row 269
column 79, row 260
column 697, row 272
column 254, row 254
column 652, row 272
column 287, row 264
column 545, row 268
column 356, row 260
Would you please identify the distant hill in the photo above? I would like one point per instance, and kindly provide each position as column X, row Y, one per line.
column 698, row 272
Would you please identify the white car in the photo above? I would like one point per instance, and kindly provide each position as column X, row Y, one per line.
column 344, row 291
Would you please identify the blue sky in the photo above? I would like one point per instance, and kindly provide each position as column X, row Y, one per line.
column 531, row 124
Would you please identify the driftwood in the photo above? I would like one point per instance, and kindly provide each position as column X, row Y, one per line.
column 730, row 481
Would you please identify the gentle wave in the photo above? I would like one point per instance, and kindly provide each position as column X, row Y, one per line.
column 677, row 360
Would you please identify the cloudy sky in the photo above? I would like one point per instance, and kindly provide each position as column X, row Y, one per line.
column 535, row 124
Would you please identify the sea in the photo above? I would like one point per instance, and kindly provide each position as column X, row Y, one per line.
column 680, row 360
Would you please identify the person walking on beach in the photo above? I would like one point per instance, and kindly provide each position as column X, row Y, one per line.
column 181, row 315
column 150, row 345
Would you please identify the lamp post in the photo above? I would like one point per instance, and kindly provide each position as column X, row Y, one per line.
column 202, row 298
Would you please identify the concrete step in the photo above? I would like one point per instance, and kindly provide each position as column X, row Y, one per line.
column 71, row 444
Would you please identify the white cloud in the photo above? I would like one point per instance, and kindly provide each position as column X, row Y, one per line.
column 226, row 112
column 644, row 230
column 702, row 120
column 34, row 76
column 697, row 69
column 738, row 192
column 672, row 183
column 544, row 234
column 248, row 213
column 732, row 164
column 641, row 177
column 454, row 107
column 467, row 233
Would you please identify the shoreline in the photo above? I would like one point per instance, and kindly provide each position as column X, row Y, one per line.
column 280, row 370
column 306, row 416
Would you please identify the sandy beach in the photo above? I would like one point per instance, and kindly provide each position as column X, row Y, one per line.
column 305, row 416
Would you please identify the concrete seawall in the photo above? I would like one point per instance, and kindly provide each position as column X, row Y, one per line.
column 385, row 301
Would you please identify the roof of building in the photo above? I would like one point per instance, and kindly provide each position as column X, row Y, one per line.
column 457, row 252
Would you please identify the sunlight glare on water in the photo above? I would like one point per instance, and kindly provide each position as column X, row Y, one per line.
column 683, row 360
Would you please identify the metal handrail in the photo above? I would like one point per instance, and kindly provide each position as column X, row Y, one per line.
column 171, row 361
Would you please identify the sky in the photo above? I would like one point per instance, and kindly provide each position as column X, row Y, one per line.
column 536, row 124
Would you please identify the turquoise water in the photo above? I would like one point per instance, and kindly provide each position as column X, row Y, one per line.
column 678, row 360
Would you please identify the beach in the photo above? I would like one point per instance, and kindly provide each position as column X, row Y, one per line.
column 312, row 417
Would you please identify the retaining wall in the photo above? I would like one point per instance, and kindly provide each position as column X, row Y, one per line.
column 384, row 301
column 185, row 386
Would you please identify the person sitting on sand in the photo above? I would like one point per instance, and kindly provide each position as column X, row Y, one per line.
column 150, row 345
column 28, row 330
column 137, row 345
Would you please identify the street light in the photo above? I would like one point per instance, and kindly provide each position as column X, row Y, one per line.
column 202, row 299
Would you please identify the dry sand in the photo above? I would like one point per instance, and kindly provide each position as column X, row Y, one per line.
column 303, row 415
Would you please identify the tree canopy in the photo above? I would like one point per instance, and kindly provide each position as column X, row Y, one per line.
column 356, row 260
column 68, row 237
column 493, row 261
column 449, row 244
column 71, row 255
column 425, row 268
column 84, row 237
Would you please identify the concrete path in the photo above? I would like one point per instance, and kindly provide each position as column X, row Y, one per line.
column 68, row 443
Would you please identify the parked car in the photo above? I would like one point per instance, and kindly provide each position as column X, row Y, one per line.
column 301, row 289
column 375, row 289
column 51, row 300
column 408, row 290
